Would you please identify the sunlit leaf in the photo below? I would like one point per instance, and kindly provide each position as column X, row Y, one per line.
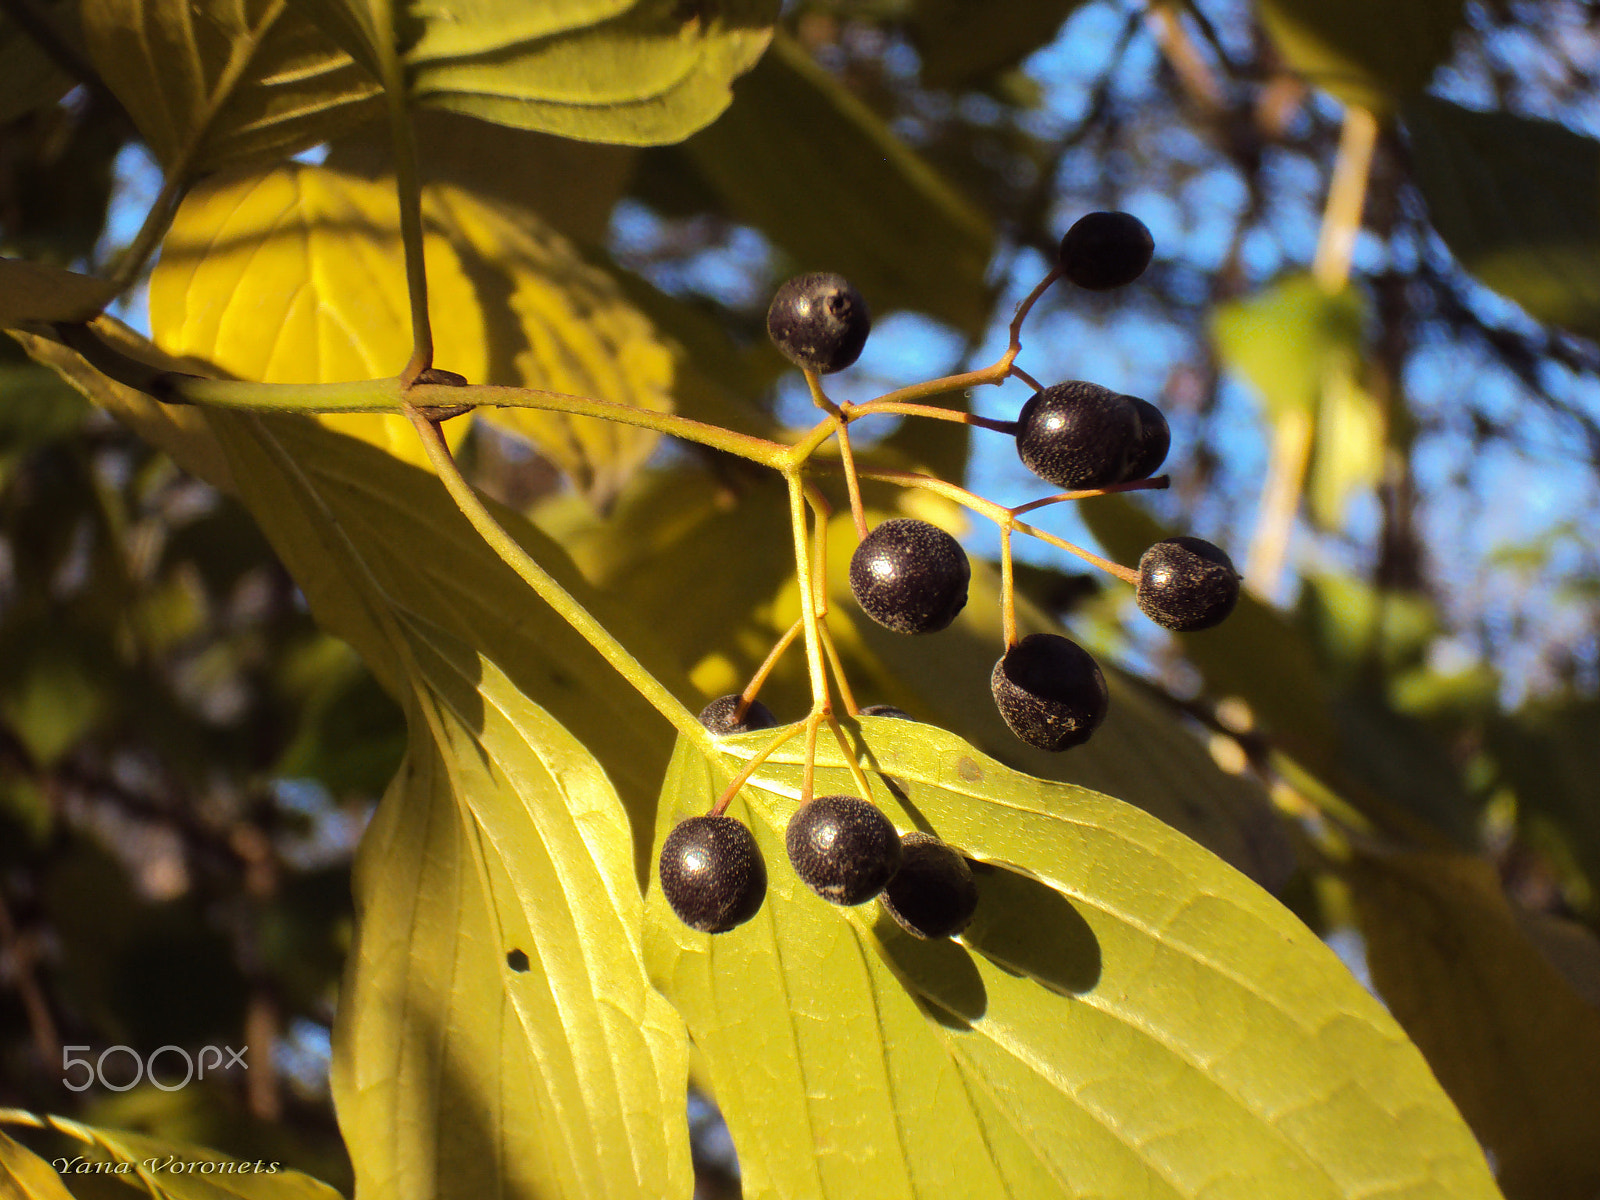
column 167, row 1170
column 227, row 82
column 919, row 244
column 496, row 996
column 32, row 291
column 1365, row 52
column 298, row 276
column 1506, row 1034
column 1126, row 1016
column 1517, row 200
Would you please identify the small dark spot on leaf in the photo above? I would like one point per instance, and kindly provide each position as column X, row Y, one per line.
column 968, row 770
column 517, row 960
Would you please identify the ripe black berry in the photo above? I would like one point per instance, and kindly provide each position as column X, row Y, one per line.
column 1106, row 250
column 712, row 874
column 819, row 321
column 910, row 576
column 1078, row 435
column 1050, row 691
column 885, row 710
column 933, row 894
column 1186, row 583
column 842, row 848
column 1155, row 439
column 718, row 716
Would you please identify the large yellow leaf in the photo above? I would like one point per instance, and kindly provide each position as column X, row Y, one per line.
column 216, row 83
column 1515, row 1044
column 297, row 275
column 508, row 830
column 1126, row 1016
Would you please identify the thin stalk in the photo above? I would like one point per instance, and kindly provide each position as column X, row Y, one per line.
column 552, row 593
column 1023, row 310
column 1008, row 589
column 858, row 512
column 846, row 696
column 1018, row 373
column 863, row 784
column 808, row 773
column 743, row 777
column 808, row 591
column 753, row 688
column 935, row 412
column 1156, row 483
column 391, row 396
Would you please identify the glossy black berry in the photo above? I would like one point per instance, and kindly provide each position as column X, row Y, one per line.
column 910, row 576
column 886, row 710
column 1155, row 439
column 718, row 716
column 1106, row 250
column 1186, row 583
column 933, row 894
column 1078, row 435
column 842, row 848
column 1050, row 691
column 819, row 321
column 712, row 874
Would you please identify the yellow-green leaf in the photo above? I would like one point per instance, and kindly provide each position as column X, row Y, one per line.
column 297, row 275
column 1365, row 52
column 918, row 244
column 1507, row 1035
column 167, row 1170
column 1127, row 1016
column 26, row 1176
column 496, row 996
column 227, row 81
column 31, row 291
column 1517, row 200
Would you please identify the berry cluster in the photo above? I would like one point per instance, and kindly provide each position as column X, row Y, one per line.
column 912, row 577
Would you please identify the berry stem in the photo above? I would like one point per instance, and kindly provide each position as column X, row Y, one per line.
column 765, row 669
column 551, row 592
column 863, row 784
column 841, row 427
column 1135, row 485
column 1019, row 373
column 937, row 413
column 1024, row 309
column 808, row 772
column 808, row 589
column 1008, row 588
column 743, row 777
column 846, row 696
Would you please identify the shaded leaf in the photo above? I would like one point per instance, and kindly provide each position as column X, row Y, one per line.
column 298, row 276
column 214, row 85
column 1508, row 1037
column 28, row 78
column 964, row 41
column 1365, row 52
column 26, row 1176
column 32, row 291
column 918, row 244
column 1126, row 1016
column 1517, row 200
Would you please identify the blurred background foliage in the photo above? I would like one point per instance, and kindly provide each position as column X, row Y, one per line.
column 1405, row 464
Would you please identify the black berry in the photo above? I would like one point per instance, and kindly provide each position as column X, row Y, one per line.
column 910, row 576
column 1186, row 583
column 718, row 716
column 885, row 710
column 1155, row 439
column 842, row 848
column 1078, row 435
column 1050, row 691
column 819, row 321
column 712, row 874
column 933, row 894
column 1106, row 250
